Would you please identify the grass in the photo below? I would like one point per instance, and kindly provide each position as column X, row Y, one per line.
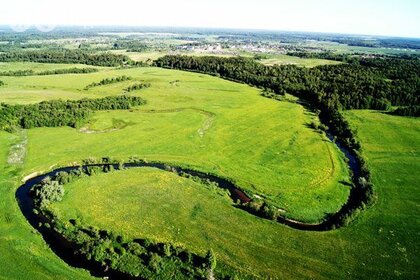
column 282, row 59
column 392, row 147
column 24, row 255
column 39, row 67
column 382, row 243
column 246, row 137
column 141, row 56
column 264, row 145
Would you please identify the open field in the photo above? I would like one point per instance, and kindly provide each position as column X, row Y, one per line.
column 24, row 255
column 39, row 67
column 218, row 133
column 280, row 59
column 228, row 129
column 344, row 48
column 374, row 242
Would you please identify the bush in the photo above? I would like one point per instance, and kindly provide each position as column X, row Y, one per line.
column 108, row 81
column 137, row 87
column 48, row 191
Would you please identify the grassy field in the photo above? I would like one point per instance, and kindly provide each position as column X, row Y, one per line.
column 141, row 56
column 39, row 67
column 225, row 128
column 202, row 121
column 24, row 255
column 280, row 59
column 381, row 244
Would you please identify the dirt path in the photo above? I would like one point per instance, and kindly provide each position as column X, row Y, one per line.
column 17, row 152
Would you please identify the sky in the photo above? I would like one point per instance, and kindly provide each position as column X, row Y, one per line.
column 371, row 17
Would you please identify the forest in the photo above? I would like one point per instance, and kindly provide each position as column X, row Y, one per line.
column 57, row 113
column 410, row 111
column 30, row 72
column 68, row 56
column 368, row 84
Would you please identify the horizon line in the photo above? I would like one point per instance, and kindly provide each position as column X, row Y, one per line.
column 92, row 26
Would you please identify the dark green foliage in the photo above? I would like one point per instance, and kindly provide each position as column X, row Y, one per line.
column 140, row 258
column 67, row 56
column 410, row 111
column 57, row 113
column 108, row 81
column 369, row 83
column 49, row 72
column 137, row 87
column 18, row 73
column 47, row 191
column 1, row 83
column 261, row 208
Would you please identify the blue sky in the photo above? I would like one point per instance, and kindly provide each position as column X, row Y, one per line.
column 376, row 17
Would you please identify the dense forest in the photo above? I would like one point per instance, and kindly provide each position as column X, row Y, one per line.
column 68, row 56
column 371, row 83
column 411, row 111
column 57, row 113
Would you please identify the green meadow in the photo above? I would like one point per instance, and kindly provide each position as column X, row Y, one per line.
column 228, row 129
column 282, row 59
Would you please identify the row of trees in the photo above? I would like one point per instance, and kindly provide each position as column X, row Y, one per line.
column 411, row 111
column 67, row 56
column 57, row 113
column 137, row 87
column 31, row 72
column 108, row 81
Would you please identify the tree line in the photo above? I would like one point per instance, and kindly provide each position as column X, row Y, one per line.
column 368, row 84
column 31, row 72
column 56, row 113
column 108, row 81
column 68, row 56
column 137, row 87
column 410, row 111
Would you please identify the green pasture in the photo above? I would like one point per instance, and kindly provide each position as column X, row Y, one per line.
column 228, row 129
column 282, row 59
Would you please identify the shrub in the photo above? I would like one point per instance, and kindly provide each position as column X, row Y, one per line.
column 48, row 191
